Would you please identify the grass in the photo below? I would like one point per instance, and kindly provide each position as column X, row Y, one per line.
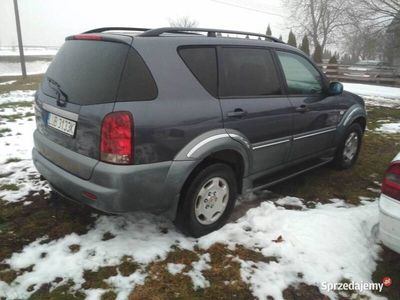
column 31, row 82
column 21, row 225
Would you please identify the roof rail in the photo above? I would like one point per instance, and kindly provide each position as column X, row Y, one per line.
column 210, row 32
column 103, row 29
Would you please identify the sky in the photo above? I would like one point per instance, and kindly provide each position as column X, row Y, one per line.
column 48, row 22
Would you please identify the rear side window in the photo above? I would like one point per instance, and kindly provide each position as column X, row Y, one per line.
column 248, row 72
column 137, row 82
column 86, row 72
column 202, row 62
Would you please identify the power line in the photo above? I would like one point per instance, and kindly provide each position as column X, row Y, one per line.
column 248, row 8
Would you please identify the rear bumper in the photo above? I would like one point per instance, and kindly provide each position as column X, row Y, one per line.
column 389, row 223
column 118, row 189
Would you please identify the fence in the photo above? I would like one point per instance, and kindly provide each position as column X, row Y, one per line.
column 373, row 74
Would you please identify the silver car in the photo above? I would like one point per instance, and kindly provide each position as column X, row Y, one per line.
column 389, row 205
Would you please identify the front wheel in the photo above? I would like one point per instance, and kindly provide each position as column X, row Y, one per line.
column 207, row 201
column 349, row 147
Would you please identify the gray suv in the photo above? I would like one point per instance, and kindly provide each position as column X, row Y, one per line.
column 180, row 121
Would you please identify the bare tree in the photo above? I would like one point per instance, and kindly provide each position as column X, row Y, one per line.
column 321, row 20
column 378, row 12
column 184, row 21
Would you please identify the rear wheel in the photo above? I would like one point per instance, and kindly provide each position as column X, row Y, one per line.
column 349, row 147
column 207, row 200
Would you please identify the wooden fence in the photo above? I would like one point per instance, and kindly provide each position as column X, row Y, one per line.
column 362, row 74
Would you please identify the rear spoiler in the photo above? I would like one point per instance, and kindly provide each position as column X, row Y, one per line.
column 123, row 39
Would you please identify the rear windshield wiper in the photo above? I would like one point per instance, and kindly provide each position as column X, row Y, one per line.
column 57, row 88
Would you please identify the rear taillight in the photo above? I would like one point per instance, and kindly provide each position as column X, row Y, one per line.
column 116, row 145
column 391, row 182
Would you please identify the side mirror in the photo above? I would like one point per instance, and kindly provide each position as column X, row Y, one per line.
column 335, row 88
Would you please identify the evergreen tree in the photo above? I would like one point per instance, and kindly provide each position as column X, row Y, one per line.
column 292, row 39
column 280, row 37
column 317, row 56
column 305, row 45
column 332, row 68
column 269, row 32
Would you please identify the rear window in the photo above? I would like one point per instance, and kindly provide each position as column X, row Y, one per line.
column 89, row 72
column 202, row 62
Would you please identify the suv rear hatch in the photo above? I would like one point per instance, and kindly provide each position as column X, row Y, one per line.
column 79, row 89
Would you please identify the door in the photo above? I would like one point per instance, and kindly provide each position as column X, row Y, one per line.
column 315, row 113
column 253, row 103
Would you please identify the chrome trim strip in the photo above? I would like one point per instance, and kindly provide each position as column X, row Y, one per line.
column 63, row 113
column 235, row 136
column 205, row 141
column 270, row 144
column 313, row 134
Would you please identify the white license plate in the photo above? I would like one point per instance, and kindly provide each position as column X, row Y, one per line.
column 62, row 124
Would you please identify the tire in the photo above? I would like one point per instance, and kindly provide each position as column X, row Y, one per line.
column 190, row 219
column 343, row 159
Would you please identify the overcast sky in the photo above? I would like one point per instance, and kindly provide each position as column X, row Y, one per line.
column 48, row 22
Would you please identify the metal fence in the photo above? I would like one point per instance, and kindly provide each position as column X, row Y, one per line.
column 373, row 74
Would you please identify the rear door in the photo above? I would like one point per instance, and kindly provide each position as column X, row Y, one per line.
column 79, row 88
column 316, row 114
column 253, row 103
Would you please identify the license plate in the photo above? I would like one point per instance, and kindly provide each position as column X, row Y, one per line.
column 62, row 124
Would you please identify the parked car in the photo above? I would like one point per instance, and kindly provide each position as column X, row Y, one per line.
column 176, row 122
column 389, row 205
column 371, row 69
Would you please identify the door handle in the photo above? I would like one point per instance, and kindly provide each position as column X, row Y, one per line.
column 237, row 113
column 302, row 108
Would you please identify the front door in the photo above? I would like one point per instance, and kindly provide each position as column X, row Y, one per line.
column 253, row 103
column 315, row 113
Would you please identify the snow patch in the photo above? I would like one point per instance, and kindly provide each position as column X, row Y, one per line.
column 175, row 268
column 389, row 128
column 198, row 280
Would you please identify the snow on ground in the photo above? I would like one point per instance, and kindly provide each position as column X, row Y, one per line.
column 16, row 145
column 28, row 51
column 389, row 128
column 8, row 82
column 32, row 67
column 375, row 95
column 325, row 244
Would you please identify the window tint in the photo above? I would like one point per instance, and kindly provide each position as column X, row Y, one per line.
column 202, row 62
column 137, row 82
column 248, row 72
column 87, row 72
column 301, row 76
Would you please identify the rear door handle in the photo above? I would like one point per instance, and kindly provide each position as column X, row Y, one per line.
column 302, row 108
column 237, row 113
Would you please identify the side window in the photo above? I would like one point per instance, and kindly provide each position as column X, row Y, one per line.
column 248, row 72
column 137, row 82
column 202, row 62
column 301, row 76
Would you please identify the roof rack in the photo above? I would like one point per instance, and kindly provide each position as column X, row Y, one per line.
column 103, row 29
column 183, row 30
column 210, row 32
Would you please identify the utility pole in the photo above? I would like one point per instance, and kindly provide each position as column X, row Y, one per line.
column 21, row 48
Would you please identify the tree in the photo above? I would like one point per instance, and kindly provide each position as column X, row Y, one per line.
column 280, row 37
column 305, row 45
column 292, row 39
column 332, row 68
column 320, row 19
column 269, row 32
column 317, row 56
column 184, row 21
